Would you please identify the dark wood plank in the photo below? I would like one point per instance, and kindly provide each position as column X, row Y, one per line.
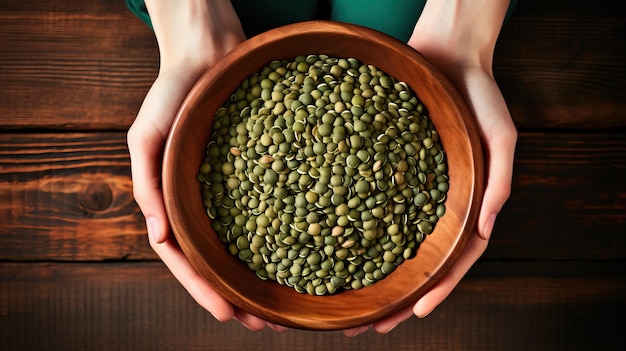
column 68, row 197
column 561, row 64
column 139, row 306
column 87, row 65
column 568, row 198
column 73, row 64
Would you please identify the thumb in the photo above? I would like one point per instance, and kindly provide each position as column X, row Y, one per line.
column 146, row 148
column 498, row 183
column 145, row 153
column 498, row 136
column 146, row 141
column 499, row 140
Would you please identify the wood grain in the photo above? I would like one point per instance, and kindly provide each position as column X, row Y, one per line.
column 68, row 197
column 139, row 306
column 73, row 65
column 568, row 200
column 561, row 64
column 76, row 65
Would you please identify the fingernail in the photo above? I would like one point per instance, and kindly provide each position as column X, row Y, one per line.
column 359, row 331
column 153, row 228
column 422, row 310
column 243, row 322
column 424, row 315
column 390, row 329
column 277, row 328
column 489, row 226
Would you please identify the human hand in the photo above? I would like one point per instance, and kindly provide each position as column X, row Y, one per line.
column 192, row 36
column 452, row 44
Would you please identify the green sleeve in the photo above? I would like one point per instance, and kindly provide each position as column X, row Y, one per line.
column 394, row 17
column 397, row 18
column 138, row 7
column 256, row 16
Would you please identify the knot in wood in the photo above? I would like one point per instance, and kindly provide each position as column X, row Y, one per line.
column 96, row 197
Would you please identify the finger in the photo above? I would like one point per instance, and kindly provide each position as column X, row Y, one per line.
column 388, row 324
column 196, row 286
column 499, row 151
column 352, row 332
column 249, row 321
column 145, row 157
column 146, row 141
column 498, row 136
column 476, row 246
column 277, row 328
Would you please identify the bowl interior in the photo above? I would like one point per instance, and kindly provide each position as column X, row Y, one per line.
column 190, row 133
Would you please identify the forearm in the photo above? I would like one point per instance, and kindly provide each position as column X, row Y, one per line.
column 462, row 32
column 194, row 32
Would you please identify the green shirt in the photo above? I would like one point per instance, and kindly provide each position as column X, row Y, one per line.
column 393, row 17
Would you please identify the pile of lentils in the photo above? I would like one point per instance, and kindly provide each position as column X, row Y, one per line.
column 323, row 174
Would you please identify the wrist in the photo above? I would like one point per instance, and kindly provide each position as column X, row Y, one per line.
column 195, row 33
column 459, row 33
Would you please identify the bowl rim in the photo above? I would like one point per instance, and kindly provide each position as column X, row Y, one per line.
column 319, row 27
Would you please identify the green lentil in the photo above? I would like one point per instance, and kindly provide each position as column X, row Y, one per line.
column 323, row 174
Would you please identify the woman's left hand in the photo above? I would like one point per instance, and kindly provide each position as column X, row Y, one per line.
column 459, row 37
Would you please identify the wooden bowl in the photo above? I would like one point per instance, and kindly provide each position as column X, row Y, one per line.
column 185, row 150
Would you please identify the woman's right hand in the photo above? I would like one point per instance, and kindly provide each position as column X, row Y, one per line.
column 192, row 36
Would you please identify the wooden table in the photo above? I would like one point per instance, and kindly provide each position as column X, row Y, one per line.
column 77, row 273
